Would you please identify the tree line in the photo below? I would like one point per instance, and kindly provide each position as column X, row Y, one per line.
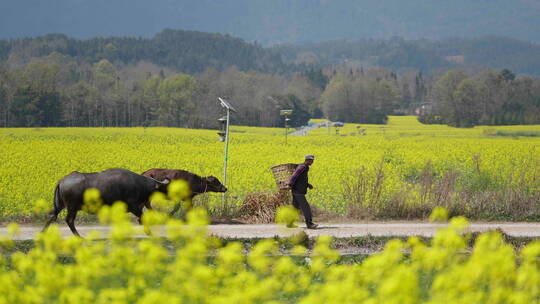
column 56, row 90
column 487, row 98
column 42, row 87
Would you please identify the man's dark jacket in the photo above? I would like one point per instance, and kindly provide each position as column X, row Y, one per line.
column 299, row 180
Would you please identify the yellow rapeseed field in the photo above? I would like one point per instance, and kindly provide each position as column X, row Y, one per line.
column 390, row 165
column 191, row 267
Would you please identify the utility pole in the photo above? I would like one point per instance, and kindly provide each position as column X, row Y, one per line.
column 225, row 104
column 327, row 126
column 286, row 113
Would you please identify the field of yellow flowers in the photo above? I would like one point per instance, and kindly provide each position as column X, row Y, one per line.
column 400, row 170
column 191, row 267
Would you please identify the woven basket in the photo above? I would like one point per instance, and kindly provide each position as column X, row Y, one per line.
column 283, row 173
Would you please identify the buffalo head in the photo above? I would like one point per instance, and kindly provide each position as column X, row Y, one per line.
column 161, row 186
column 214, row 185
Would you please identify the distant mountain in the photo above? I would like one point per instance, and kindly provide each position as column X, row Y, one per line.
column 274, row 21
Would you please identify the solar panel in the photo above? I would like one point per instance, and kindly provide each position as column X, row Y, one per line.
column 226, row 104
column 285, row 112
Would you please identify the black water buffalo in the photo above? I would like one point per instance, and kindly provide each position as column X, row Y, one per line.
column 113, row 185
column 196, row 183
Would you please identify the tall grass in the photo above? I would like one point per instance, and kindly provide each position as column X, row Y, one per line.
column 472, row 193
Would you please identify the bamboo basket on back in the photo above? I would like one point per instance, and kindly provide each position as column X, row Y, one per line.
column 282, row 174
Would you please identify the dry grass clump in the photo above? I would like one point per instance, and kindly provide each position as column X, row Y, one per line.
column 261, row 207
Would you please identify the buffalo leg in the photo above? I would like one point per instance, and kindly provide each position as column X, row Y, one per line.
column 70, row 220
column 58, row 206
column 138, row 214
column 53, row 215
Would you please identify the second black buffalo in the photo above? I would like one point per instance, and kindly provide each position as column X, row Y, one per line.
column 197, row 184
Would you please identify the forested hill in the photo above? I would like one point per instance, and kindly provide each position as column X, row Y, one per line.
column 183, row 51
column 423, row 55
column 192, row 52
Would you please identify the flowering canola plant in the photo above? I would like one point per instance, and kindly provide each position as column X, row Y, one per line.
column 200, row 269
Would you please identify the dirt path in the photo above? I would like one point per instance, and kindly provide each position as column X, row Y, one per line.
column 304, row 130
column 335, row 230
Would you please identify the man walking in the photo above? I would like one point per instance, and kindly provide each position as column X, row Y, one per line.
column 299, row 185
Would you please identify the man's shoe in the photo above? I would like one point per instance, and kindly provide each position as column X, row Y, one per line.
column 312, row 226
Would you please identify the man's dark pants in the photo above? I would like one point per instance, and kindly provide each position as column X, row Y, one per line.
column 300, row 202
